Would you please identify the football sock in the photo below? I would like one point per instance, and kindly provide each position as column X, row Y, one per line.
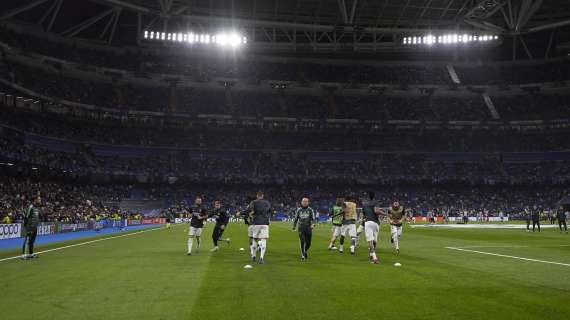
column 253, row 248
column 263, row 245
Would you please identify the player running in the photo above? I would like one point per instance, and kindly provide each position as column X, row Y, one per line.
column 371, row 212
column 396, row 216
column 348, row 225
column 246, row 215
column 305, row 216
column 199, row 215
column 222, row 219
column 336, row 214
column 31, row 222
column 260, row 230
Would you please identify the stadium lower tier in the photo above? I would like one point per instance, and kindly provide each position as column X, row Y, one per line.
column 70, row 200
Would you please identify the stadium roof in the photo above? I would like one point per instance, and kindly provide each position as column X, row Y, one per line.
column 277, row 24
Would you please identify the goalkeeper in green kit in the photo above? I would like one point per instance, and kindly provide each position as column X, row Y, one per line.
column 31, row 222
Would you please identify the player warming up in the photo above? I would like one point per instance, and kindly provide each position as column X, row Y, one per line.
column 260, row 226
column 535, row 219
column 199, row 215
column 222, row 219
column 348, row 225
column 396, row 217
column 247, row 215
column 336, row 219
column 371, row 212
column 305, row 217
column 561, row 217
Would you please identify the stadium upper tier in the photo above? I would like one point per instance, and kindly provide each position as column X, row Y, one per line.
column 56, row 146
column 73, row 128
column 123, row 96
column 252, row 69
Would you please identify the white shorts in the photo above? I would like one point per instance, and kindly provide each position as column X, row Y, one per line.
column 348, row 229
column 371, row 229
column 250, row 231
column 395, row 230
column 260, row 231
column 336, row 230
column 197, row 232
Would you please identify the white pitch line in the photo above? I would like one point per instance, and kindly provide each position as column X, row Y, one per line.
column 506, row 246
column 83, row 243
column 511, row 257
column 513, row 246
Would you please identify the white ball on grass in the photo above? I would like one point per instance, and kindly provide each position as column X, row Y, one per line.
column 248, row 266
column 397, row 264
column 241, row 249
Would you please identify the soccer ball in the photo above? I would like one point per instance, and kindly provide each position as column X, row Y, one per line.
column 397, row 264
column 88, row 202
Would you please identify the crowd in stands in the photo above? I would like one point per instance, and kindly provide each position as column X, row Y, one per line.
column 533, row 106
column 60, row 202
column 67, row 202
column 284, row 162
column 554, row 71
column 93, row 130
column 282, row 167
column 282, row 104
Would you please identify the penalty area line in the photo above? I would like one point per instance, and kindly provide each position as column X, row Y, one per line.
column 511, row 257
column 83, row 243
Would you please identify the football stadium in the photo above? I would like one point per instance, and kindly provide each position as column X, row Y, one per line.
column 284, row 159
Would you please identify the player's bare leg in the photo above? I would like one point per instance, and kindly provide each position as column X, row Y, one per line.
column 332, row 243
column 197, row 244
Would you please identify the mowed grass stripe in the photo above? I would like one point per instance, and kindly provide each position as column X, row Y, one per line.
column 145, row 277
column 331, row 285
column 150, row 277
column 110, row 237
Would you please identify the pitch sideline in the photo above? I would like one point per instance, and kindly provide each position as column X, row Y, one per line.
column 84, row 243
column 511, row 257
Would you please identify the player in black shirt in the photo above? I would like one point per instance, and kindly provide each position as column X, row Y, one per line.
column 31, row 222
column 199, row 215
column 371, row 211
column 528, row 217
column 305, row 216
column 561, row 217
column 261, row 211
column 222, row 219
column 535, row 218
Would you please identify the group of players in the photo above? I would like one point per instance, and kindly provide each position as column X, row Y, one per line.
column 347, row 223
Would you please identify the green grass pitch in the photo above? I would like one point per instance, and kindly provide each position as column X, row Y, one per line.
column 148, row 276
